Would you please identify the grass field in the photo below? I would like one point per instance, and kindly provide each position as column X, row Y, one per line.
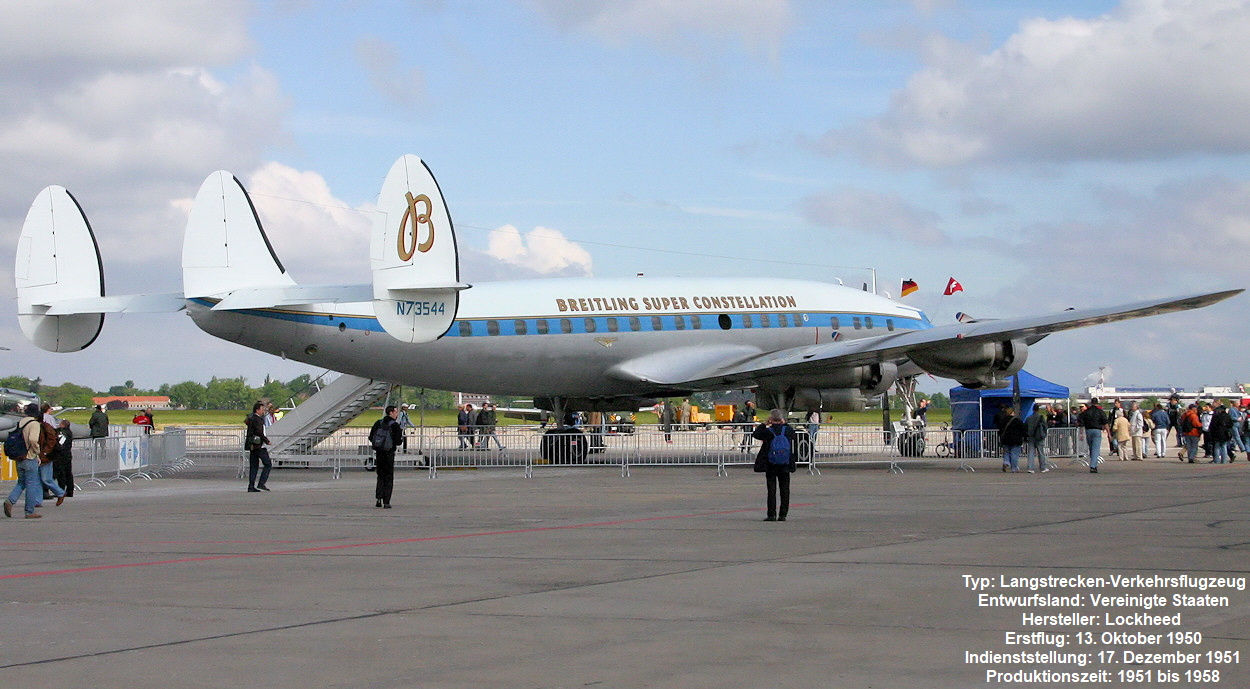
column 440, row 417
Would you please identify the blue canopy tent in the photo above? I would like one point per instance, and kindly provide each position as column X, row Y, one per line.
column 970, row 410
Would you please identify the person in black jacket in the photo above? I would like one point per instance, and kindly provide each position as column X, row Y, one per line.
column 255, row 443
column 1221, row 433
column 63, row 459
column 1094, row 421
column 389, row 434
column 1011, row 436
column 777, row 475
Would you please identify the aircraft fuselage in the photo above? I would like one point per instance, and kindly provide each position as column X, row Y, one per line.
column 564, row 337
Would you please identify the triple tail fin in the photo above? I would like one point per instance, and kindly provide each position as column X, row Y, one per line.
column 416, row 267
column 58, row 260
column 225, row 249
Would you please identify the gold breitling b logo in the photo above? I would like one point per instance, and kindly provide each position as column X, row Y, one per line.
column 410, row 227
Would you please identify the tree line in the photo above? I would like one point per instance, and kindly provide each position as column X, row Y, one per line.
column 218, row 393
column 235, row 393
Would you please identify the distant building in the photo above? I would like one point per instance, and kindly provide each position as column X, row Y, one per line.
column 153, row 402
column 1206, row 392
column 477, row 400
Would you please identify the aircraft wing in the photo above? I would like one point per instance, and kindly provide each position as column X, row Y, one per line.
column 815, row 359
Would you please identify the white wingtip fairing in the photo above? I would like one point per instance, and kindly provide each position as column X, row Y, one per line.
column 57, row 259
column 416, row 270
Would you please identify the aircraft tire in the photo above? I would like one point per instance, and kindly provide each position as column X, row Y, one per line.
column 563, row 446
column 911, row 444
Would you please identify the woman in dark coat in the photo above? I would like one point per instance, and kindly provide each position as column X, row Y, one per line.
column 776, row 474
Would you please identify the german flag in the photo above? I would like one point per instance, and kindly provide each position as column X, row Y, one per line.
column 909, row 286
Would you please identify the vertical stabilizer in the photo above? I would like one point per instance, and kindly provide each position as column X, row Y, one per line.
column 416, row 269
column 57, row 260
column 225, row 248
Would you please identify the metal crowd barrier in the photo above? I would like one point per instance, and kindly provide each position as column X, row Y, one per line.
column 128, row 455
column 528, row 448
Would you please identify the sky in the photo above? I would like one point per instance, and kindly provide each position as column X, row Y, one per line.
column 1047, row 155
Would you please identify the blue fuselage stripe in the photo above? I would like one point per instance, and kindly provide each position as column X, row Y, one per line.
column 509, row 327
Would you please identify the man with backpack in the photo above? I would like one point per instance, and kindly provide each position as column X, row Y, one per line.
column 1011, row 436
column 776, row 460
column 22, row 446
column 384, row 436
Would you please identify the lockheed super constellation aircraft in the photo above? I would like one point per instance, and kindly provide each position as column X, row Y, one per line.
column 578, row 343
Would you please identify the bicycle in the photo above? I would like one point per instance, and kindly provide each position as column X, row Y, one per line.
column 946, row 448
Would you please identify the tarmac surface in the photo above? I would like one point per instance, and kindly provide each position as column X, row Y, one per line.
column 581, row 578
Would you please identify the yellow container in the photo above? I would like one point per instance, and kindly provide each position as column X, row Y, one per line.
column 8, row 470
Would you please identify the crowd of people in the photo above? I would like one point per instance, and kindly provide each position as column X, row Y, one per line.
column 1221, row 429
column 42, row 448
column 476, row 427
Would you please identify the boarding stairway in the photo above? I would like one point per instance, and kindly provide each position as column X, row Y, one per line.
column 328, row 410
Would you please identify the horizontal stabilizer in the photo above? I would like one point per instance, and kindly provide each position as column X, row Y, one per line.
column 264, row 297
column 127, row 303
column 57, row 260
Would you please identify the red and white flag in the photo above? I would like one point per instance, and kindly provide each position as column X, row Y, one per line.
column 952, row 287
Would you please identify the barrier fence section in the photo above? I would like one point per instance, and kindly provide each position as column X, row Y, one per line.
column 130, row 455
column 530, row 447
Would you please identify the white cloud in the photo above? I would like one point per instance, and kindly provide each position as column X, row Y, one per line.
column 1156, row 78
column 1185, row 236
column 319, row 238
column 543, row 251
column 758, row 24
column 887, row 216
column 119, row 102
column 67, row 39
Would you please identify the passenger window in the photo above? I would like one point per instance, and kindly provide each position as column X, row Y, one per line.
column 656, row 323
column 679, row 322
column 766, row 320
column 696, row 322
column 566, row 326
column 724, row 321
column 543, row 326
column 466, row 329
column 520, row 326
column 591, row 325
column 746, row 321
column 833, row 322
column 635, row 324
column 868, row 322
column 613, row 326
column 492, row 327
column 889, row 324
column 855, row 322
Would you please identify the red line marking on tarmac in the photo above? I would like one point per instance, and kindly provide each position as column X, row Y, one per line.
column 343, row 546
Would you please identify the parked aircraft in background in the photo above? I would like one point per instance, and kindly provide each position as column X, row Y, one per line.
column 571, row 344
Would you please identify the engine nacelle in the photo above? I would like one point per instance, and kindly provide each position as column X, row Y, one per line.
column 830, row 399
column 847, row 389
column 978, row 365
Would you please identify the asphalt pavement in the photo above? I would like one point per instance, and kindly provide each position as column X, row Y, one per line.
column 578, row 577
